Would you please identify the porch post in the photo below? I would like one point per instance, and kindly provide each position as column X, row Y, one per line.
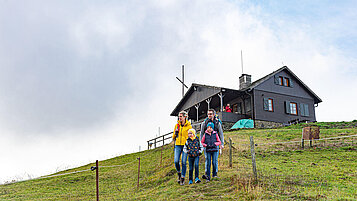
column 188, row 110
column 197, row 106
column 208, row 101
column 221, row 97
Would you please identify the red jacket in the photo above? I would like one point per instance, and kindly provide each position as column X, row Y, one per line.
column 228, row 109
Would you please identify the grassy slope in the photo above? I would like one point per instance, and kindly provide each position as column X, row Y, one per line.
column 285, row 172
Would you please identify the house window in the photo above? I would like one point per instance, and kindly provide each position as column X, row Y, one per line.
column 268, row 104
column 293, row 108
column 304, row 110
column 239, row 108
column 286, row 82
column 281, row 81
column 234, row 108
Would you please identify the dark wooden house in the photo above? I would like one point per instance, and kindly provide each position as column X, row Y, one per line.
column 277, row 99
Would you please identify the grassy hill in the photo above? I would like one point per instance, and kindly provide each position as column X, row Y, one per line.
column 326, row 171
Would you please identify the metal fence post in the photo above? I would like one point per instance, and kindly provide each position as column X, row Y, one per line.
column 155, row 143
column 230, row 152
column 253, row 158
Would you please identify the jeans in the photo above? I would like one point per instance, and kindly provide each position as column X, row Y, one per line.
column 211, row 156
column 214, row 160
column 178, row 152
column 193, row 161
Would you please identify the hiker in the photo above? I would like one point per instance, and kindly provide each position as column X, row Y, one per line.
column 193, row 148
column 228, row 108
column 210, row 141
column 180, row 136
column 212, row 117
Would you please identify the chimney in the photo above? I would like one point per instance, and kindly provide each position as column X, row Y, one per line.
column 244, row 81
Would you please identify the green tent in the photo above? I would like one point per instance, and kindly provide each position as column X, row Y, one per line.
column 243, row 123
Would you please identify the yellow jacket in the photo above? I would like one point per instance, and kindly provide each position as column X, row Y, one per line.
column 182, row 135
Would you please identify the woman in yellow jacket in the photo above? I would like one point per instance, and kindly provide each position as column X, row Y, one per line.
column 180, row 136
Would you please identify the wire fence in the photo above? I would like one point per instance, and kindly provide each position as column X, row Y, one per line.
column 139, row 170
column 267, row 166
column 109, row 183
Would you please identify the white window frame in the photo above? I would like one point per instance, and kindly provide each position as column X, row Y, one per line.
column 293, row 108
column 270, row 105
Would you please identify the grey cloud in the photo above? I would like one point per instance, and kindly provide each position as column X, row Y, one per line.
column 55, row 80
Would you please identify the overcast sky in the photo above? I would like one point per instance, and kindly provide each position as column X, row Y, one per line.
column 87, row 80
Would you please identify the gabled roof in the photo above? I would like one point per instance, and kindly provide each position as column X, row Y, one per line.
column 249, row 88
column 263, row 79
column 192, row 89
column 186, row 96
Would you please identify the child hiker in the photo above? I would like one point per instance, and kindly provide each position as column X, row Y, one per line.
column 211, row 141
column 194, row 149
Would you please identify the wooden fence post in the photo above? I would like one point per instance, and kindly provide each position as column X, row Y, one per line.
column 253, row 158
column 230, row 152
column 138, row 173
column 302, row 143
column 162, row 147
column 97, row 179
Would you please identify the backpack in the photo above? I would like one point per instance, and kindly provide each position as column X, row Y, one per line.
column 218, row 121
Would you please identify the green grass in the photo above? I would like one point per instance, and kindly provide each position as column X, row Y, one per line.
column 328, row 125
column 326, row 171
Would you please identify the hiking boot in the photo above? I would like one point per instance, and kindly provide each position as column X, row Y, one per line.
column 215, row 177
column 179, row 177
column 182, row 182
column 204, row 176
column 208, row 179
column 197, row 180
column 190, row 182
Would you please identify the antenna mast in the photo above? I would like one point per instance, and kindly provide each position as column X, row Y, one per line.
column 183, row 80
column 241, row 59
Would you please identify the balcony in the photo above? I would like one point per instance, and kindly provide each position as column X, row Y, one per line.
column 231, row 117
